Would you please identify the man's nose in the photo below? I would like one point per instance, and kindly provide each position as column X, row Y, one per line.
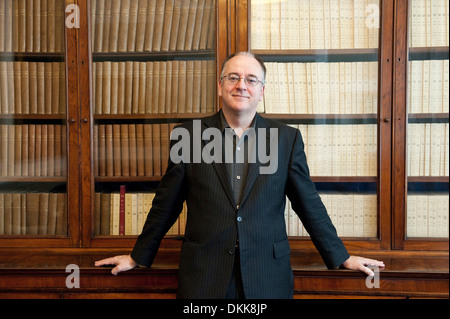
column 241, row 84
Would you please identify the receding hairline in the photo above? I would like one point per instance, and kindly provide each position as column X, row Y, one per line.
column 248, row 54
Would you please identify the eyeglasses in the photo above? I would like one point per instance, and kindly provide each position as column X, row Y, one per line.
column 249, row 80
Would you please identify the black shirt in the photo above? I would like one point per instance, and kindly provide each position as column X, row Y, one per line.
column 236, row 152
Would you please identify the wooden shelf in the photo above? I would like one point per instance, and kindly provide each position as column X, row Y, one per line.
column 284, row 117
column 325, row 55
column 316, row 179
column 126, row 179
column 154, row 56
column 323, row 118
column 33, row 179
column 428, row 53
column 11, row 119
column 344, row 179
column 428, row 179
column 160, row 117
column 428, row 117
column 44, row 274
column 32, row 56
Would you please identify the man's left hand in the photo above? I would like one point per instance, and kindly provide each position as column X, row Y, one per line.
column 361, row 263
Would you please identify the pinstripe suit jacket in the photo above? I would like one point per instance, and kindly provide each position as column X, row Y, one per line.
column 207, row 253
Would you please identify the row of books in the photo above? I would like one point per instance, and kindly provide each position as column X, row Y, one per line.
column 308, row 24
column 32, row 88
column 143, row 149
column 131, row 149
column 321, row 88
column 152, row 25
column 125, row 213
column 428, row 23
column 33, row 214
column 428, row 149
column 154, row 87
column 427, row 216
column 33, row 150
column 340, row 150
column 428, row 86
column 32, row 25
column 174, row 86
column 353, row 215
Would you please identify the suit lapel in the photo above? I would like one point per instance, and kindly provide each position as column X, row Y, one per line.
column 253, row 168
column 220, row 169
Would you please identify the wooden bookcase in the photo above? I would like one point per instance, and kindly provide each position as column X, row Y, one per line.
column 102, row 68
column 330, row 46
column 426, row 182
column 155, row 81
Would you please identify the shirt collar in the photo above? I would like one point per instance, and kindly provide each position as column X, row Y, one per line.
column 223, row 124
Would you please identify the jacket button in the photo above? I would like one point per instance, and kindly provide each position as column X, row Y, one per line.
column 239, row 219
column 231, row 251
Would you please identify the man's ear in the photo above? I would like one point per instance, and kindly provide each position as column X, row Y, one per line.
column 262, row 92
column 219, row 88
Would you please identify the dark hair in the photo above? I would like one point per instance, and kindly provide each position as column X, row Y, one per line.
column 249, row 54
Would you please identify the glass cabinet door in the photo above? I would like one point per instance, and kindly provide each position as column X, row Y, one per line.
column 322, row 78
column 33, row 132
column 153, row 65
column 427, row 129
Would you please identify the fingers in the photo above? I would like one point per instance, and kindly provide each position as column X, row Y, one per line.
column 115, row 270
column 362, row 264
column 366, row 263
column 106, row 261
column 372, row 262
column 366, row 270
column 121, row 263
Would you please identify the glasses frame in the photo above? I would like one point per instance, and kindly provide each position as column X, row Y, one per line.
column 246, row 79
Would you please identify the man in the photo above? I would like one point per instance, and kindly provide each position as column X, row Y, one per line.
column 235, row 243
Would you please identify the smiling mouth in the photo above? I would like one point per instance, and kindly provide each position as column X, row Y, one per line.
column 241, row 96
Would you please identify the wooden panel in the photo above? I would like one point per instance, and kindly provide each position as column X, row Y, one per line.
column 32, row 274
column 385, row 126
column 73, row 121
column 86, row 121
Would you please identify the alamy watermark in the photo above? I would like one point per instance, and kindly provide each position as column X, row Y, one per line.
column 218, row 149
column 374, row 280
column 373, row 16
column 73, row 17
column 73, row 280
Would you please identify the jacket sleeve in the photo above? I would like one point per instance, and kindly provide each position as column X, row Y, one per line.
column 308, row 205
column 166, row 207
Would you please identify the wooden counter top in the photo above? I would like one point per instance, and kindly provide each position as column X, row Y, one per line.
column 42, row 274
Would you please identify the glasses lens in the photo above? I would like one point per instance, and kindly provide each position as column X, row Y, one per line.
column 233, row 78
column 251, row 81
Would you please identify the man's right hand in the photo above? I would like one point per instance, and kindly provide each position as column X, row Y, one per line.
column 122, row 263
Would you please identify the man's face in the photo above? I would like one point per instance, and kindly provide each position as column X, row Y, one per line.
column 240, row 97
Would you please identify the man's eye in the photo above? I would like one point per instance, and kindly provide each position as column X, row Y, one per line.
column 233, row 78
column 252, row 81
